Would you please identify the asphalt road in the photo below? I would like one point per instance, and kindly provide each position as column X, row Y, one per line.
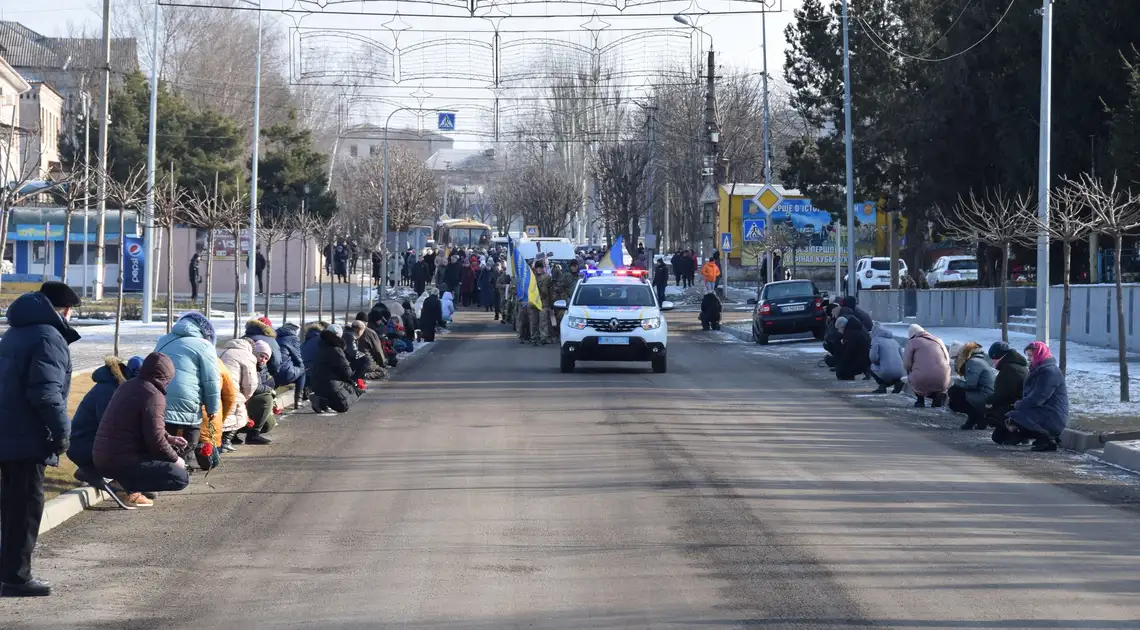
column 483, row 489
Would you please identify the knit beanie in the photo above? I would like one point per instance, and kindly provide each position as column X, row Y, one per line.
column 998, row 349
column 914, row 331
column 335, row 329
column 955, row 348
column 262, row 348
column 841, row 323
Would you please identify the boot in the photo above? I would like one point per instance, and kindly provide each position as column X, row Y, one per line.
column 939, row 400
column 255, row 437
column 898, row 387
column 318, row 403
column 881, row 390
column 1044, row 445
column 920, row 401
column 228, row 442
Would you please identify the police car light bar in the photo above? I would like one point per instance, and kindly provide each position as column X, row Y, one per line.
column 633, row 273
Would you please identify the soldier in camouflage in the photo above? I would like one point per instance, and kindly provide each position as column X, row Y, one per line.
column 563, row 289
column 540, row 323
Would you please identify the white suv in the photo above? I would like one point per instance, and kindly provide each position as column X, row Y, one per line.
column 953, row 269
column 613, row 316
column 875, row 273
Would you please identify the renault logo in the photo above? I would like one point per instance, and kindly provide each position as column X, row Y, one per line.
column 613, row 324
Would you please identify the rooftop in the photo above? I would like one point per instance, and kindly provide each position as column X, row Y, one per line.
column 24, row 48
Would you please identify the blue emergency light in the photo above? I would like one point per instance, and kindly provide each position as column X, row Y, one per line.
column 632, row 273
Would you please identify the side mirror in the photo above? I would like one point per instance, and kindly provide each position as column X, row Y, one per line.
column 666, row 305
column 751, row 301
column 560, row 305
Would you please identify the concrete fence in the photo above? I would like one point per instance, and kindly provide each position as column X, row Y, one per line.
column 1092, row 317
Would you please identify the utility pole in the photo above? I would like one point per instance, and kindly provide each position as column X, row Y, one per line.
column 252, row 278
column 104, row 123
column 710, row 161
column 651, row 134
column 851, row 279
column 1043, row 171
column 151, row 152
column 767, row 142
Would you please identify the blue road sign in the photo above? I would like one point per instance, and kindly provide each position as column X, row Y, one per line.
column 726, row 241
column 753, row 230
column 445, row 121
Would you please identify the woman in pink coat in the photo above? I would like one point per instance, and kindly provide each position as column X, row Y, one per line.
column 927, row 366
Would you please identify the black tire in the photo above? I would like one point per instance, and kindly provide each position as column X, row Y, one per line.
column 858, row 285
column 762, row 339
column 659, row 365
column 819, row 333
column 755, row 333
column 566, row 364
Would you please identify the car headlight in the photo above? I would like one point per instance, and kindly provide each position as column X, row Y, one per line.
column 576, row 322
column 651, row 323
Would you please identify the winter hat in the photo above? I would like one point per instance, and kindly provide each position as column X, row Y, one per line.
column 134, row 364
column 358, row 325
column 335, row 329
column 59, row 294
column 265, row 320
column 262, row 348
column 998, row 350
column 849, row 301
column 841, row 323
column 290, row 327
column 955, row 349
column 362, row 316
column 914, row 331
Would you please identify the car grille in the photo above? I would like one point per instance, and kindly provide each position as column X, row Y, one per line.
column 608, row 325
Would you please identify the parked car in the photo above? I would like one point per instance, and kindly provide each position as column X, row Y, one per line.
column 875, row 273
column 789, row 307
column 956, row 269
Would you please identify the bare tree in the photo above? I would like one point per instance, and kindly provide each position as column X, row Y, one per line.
column 779, row 238
column 310, row 226
column 620, row 172
column 271, row 227
column 996, row 219
column 1069, row 221
column 128, row 195
column 18, row 167
column 170, row 202
column 235, row 222
column 71, row 190
column 1115, row 211
column 212, row 213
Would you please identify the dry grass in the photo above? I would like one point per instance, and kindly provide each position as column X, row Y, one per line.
column 58, row 480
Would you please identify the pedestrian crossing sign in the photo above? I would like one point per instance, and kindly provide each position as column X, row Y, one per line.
column 753, row 230
column 726, row 241
column 445, row 121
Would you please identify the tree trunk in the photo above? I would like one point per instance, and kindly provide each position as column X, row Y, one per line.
column 4, row 229
column 285, row 307
column 237, row 280
column 1066, row 306
column 268, row 268
column 209, row 289
column 66, row 240
column 122, row 276
column 321, row 287
column 170, row 276
column 1121, row 349
column 304, row 276
column 1004, row 298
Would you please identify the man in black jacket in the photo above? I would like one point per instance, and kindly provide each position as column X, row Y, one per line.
column 195, row 276
column 854, row 355
column 35, row 378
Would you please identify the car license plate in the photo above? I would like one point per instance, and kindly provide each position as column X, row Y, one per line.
column 613, row 341
column 791, row 308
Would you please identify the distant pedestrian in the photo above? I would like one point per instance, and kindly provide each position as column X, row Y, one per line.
column 660, row 280
column 35, row 379
column 259, row 268
column 195, row 277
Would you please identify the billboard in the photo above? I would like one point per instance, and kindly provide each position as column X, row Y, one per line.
column 815, row 225
column 134, row 264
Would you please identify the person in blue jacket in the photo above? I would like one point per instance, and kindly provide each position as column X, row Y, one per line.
column 85, row 422
column 197, row 379
column 35, row 379
column 292, row 368
column 1043, row 411
column 309, row 351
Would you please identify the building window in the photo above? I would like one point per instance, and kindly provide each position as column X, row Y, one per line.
column 352, row 150
column 372, row 150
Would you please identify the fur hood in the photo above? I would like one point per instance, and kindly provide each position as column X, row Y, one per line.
column 115, row 366
column 315, row 326
column 331, row 338
column 258, row 327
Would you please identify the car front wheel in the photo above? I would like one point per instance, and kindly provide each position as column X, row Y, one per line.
column 659, row 365
column 567, row 364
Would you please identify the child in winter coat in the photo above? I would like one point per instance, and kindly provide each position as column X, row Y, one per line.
column 710, row 312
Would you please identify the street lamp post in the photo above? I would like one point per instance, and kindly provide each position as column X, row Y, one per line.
column 711, row 162
column 252, row 292
column 304, row 252
column 1043, row 170
column 151, row 151
column 848, row 142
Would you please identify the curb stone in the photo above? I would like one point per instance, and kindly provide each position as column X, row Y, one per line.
column 73, row 502
column 1123, row 454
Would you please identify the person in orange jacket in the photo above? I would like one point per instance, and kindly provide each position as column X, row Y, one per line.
column 709, row 273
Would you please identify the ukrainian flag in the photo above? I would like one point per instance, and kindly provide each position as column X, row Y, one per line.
column 614, row 259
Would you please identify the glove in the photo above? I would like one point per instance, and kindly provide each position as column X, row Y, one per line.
column 59, row 447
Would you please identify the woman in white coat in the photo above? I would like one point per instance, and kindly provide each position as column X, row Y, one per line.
column 237, row 355
column 448, row 306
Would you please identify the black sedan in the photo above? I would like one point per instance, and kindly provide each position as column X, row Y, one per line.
column 789, row 307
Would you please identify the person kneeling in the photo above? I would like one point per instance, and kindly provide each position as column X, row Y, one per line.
column 131, row 444
column 886, row 360
column 1043, row 413
column 710, row 312
column 334, row 386
column 261, row 404
column 854, row 351
column 1012, row 369
column 969, row 396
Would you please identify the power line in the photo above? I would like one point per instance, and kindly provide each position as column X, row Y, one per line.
column 873, row 36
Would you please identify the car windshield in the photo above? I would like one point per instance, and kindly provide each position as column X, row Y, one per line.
column 964, row 265
column 788, row 289
column 614, row 295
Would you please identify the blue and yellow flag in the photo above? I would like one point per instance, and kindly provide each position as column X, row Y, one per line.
column 614, row 259
column 532, row 295
column 522, row 271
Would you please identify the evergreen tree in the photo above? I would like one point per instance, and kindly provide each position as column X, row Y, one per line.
column 287, row 163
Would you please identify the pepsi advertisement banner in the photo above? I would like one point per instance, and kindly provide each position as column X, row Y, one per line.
column 134, row 264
